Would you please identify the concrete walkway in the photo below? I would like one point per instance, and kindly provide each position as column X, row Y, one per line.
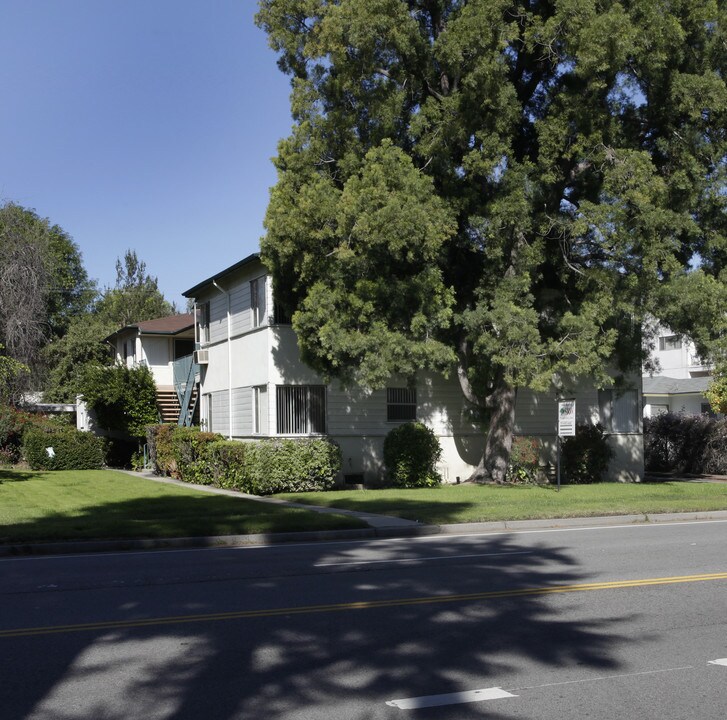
column 374, row 521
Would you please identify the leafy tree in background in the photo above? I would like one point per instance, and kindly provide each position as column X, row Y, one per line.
column 136, row 296
column 43, row 285
column 504, row 187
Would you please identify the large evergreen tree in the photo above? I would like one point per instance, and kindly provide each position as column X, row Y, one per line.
column 507, row 187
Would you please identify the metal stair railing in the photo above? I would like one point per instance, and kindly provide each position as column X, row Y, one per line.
column 185, row 371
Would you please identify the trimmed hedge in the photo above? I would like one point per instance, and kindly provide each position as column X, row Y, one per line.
column 260, row 467
column 72, row 449
column 275, row 466
column 411, row 453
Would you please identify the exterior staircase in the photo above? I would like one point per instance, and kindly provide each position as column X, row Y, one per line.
column 169, row 408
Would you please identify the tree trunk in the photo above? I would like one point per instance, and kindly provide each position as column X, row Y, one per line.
column 493, row 465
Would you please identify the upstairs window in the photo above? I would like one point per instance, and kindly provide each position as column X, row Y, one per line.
column 670, row 342
column 204, row 322
column 257, row 301
column 401, row 404
column 300, row 409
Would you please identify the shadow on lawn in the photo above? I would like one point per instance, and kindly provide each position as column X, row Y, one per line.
column 189, row 516
column 296, row 659
column 11, row 474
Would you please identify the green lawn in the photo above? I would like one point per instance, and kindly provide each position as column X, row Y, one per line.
column 37, row 506
column 480, row 503
column 100, row 504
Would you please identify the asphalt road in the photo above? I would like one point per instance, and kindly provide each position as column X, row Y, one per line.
column 582, row 623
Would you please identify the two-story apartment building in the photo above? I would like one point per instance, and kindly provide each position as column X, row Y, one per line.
column 254, row 385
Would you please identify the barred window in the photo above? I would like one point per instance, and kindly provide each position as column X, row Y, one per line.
column 300, row 409
column 401, row 404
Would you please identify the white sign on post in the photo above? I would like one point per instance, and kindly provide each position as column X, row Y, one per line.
column 566, row 418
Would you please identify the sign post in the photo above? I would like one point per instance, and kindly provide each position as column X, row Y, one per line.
column 566, row 425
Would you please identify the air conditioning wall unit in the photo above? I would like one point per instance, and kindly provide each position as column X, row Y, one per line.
column 202, row 357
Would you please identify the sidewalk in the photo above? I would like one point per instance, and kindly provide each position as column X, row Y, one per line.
column 380, row 526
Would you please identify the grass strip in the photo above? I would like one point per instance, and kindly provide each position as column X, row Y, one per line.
column 481, row 503
column 106, row 504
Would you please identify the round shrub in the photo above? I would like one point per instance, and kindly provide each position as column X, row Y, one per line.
column 411, row 453
column 71, row 449
column 585, row 456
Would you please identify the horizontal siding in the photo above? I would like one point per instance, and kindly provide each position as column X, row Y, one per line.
column 218, row 318
column 240, row 307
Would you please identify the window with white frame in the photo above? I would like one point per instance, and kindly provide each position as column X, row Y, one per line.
column 401, row 404
column 300, row 409
column 259, row 401
column 619, row 411
column 670, row 342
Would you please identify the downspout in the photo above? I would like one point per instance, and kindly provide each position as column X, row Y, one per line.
column 229, row 359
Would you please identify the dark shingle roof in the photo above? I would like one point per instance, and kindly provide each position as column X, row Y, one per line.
column 662, row 385
column 170, row 325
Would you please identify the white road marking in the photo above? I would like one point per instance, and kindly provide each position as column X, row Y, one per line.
column 418, row 559
column 720, row 661
column 457, row 698
column 602, row 677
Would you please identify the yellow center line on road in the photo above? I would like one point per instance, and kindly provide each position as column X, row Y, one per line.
column 361, row 605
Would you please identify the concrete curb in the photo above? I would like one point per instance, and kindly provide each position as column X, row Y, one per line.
column 392, row 531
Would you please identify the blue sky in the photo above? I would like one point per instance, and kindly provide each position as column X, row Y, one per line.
column 142, row 124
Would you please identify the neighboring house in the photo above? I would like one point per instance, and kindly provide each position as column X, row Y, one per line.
column 166, row 346
column 254, row 385
column 680, row 378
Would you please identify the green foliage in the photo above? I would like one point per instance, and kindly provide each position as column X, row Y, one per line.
column 261, row 468
column 717, row 391
column 291, row 465
column 411, row 453
column 515, row 185
column 135, row 297
column 72, row 449
column 43, row 284
column 693, row 444
column 13, row 423
column 70, row 356
column 10, row 371
column 227, row 464
column 123, row 398
column 524, row 460
column 585, row 456
column 190, row 447
column 161, row 449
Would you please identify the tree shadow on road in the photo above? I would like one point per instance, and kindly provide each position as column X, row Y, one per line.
column 433, row 617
